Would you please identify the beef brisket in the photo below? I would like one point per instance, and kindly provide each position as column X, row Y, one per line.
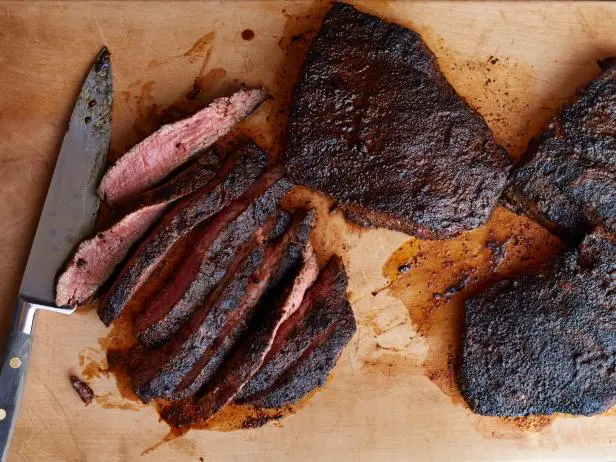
column 545, row 343
column 236, row 177
column 307, row 344
column 191, row 357
column 248, row 358
column 96, row 258
column 155, row 157
column 567, row 179
column 377, row 126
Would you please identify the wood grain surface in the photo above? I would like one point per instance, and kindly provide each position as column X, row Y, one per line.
column 391, row 396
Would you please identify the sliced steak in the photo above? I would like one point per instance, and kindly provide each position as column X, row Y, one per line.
column 307, row 344
column 248, row 358
column 236, row 177
column 191, row 357
column 567, row 178
column 545, row 343
column 312, row 369
column 155, row 157
column 96, row 258
column 206, row 265
column 377, row 126
column 286, row 258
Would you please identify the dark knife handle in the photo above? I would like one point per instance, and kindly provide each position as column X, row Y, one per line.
column 13, row 378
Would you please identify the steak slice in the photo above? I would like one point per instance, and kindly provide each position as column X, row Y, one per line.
column 248, row 358
column 188, row 179
column 294, row 243
column 96, row 258
column 377, row 126
column 236, row 177
column 567, row 179
column 154, row 158
column 307, row 345
column 195, row 353
column 206, row 265
column 545, row 343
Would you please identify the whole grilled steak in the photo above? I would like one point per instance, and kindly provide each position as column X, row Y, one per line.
column 567, row 179
column 97, row 257
column 307, row 345
column 249, row 357
column 240, row 172
column 191, row 357
column 546, row 343
column 166, row 149
column 377, row 126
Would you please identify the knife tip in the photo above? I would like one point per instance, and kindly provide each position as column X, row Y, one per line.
column 102, row 59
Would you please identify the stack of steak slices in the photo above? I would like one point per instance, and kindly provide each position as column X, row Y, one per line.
column 246, row 300
column 546, row 343
column 129, row 186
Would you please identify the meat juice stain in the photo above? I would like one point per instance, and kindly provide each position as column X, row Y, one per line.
column 498, row 87
column 148, row 115
column 200, row 47
column 248, row 35
column 185, row 415
column 433, row 278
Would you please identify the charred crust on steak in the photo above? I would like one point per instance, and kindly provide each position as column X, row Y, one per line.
column 377, row 126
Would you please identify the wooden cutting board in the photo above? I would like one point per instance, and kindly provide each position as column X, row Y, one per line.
column 391, row 396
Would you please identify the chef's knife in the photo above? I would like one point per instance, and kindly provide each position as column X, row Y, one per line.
column 68, row 216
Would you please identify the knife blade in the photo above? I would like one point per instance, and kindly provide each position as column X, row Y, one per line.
column 68, row 216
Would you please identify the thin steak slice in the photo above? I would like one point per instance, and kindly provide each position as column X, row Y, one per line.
column 248, row 358
column 377, row 126
column 206, row 265
column 96, row 258
column 186, row 180
column 294, row 242
column 215, row 327
column 546, row 343
column 155, row 157
column 307, row 345
column 567, row 178
column 236, row 177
